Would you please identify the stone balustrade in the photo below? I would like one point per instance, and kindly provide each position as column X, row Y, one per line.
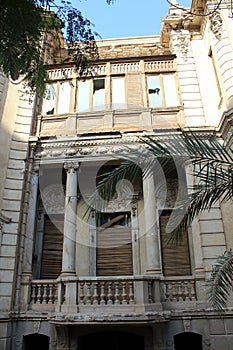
column 43, row 293
column 110, row 292
column 179, row 289
column 115, row 68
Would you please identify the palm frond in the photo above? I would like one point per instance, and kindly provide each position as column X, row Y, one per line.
column 204, row 196
column 220, row 283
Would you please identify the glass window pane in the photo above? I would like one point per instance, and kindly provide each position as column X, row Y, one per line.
column 83, row 95
column 118, row 92
column 170, row 90
column 154, row 91
column 64, row 98
column 99, row 93
column 49, row 99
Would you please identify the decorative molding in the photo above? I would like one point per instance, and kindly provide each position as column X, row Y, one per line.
column 179, row 44
column 216, row 25
column 187, row 324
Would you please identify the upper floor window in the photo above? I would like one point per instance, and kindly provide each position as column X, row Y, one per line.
column 91, row 94
column 118, row 92
column 162, row 91
column 57, row 98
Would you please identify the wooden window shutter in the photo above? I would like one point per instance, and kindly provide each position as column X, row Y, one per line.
column 114, row 250
column 51, row 263
column 175, row 258
column 134, row 89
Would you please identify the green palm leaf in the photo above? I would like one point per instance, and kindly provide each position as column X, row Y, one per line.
column 220, row 282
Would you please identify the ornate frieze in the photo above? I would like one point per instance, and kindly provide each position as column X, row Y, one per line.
column 216, row 25
column 80, row 149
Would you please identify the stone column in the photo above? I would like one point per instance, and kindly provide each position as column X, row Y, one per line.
column 152, row 238
column 29, row 237
column 69, row 242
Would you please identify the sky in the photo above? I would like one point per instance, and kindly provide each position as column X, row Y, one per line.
column 125, row 18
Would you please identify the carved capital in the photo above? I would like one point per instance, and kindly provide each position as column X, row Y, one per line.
column 71, row 167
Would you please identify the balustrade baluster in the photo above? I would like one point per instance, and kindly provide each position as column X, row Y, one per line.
column 45, row 293
column 124, row 294
column 40, row 294
column 174, row 291
column 180, row 294
column 102, row 293
column 192, row 290
column 109, row 301
column 55, row 293
column 95, row 294
column 166, row 291
column 81, row 293
column 88, row 296
column 186, row 291
column 50, row 294
column 117, row 294
column 33, row 293
column 131, row 292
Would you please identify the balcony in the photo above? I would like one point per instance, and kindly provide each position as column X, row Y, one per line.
column 130, row 119
column 88, row 297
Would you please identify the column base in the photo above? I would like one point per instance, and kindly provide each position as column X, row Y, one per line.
column 153, row 271
column 68, row 273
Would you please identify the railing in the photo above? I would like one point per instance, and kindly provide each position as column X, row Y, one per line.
column 116, row 68
column 111, row 292
column 179, row 289
column 106, row 293
column 159, row 66
column 43, row 292
column 125, row 67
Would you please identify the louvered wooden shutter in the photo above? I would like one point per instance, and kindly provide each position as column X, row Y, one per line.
column 51, row 263
column 114, row 252
column 176, row 261
column 134, row 89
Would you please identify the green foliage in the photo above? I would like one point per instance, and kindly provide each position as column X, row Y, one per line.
column 27, row 27
column 220, row 282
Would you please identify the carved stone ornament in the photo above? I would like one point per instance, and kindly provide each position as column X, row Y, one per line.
column 53, row 198
column 71, row 166
column 187, row 324
column 216, row 25
column 3, row 220
column 36, row 326
column 179, row 44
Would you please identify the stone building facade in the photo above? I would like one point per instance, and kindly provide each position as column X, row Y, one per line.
column 75, row 282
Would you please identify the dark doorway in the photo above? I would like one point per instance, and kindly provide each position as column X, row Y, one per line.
column 35, row 342
column 188, row 340
column 110, row 340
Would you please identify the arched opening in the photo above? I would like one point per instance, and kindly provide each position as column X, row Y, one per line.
column 188, row 340
column 110, row 340
column 35, row 342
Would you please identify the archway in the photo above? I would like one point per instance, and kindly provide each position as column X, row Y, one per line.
column 35, row 342
column 111, row 340
column 188, row 340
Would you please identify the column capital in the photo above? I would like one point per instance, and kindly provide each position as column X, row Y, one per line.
column 71, row 167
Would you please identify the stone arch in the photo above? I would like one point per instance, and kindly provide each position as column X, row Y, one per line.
column 111, row 340
column 35, row 341
column 188, row 340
